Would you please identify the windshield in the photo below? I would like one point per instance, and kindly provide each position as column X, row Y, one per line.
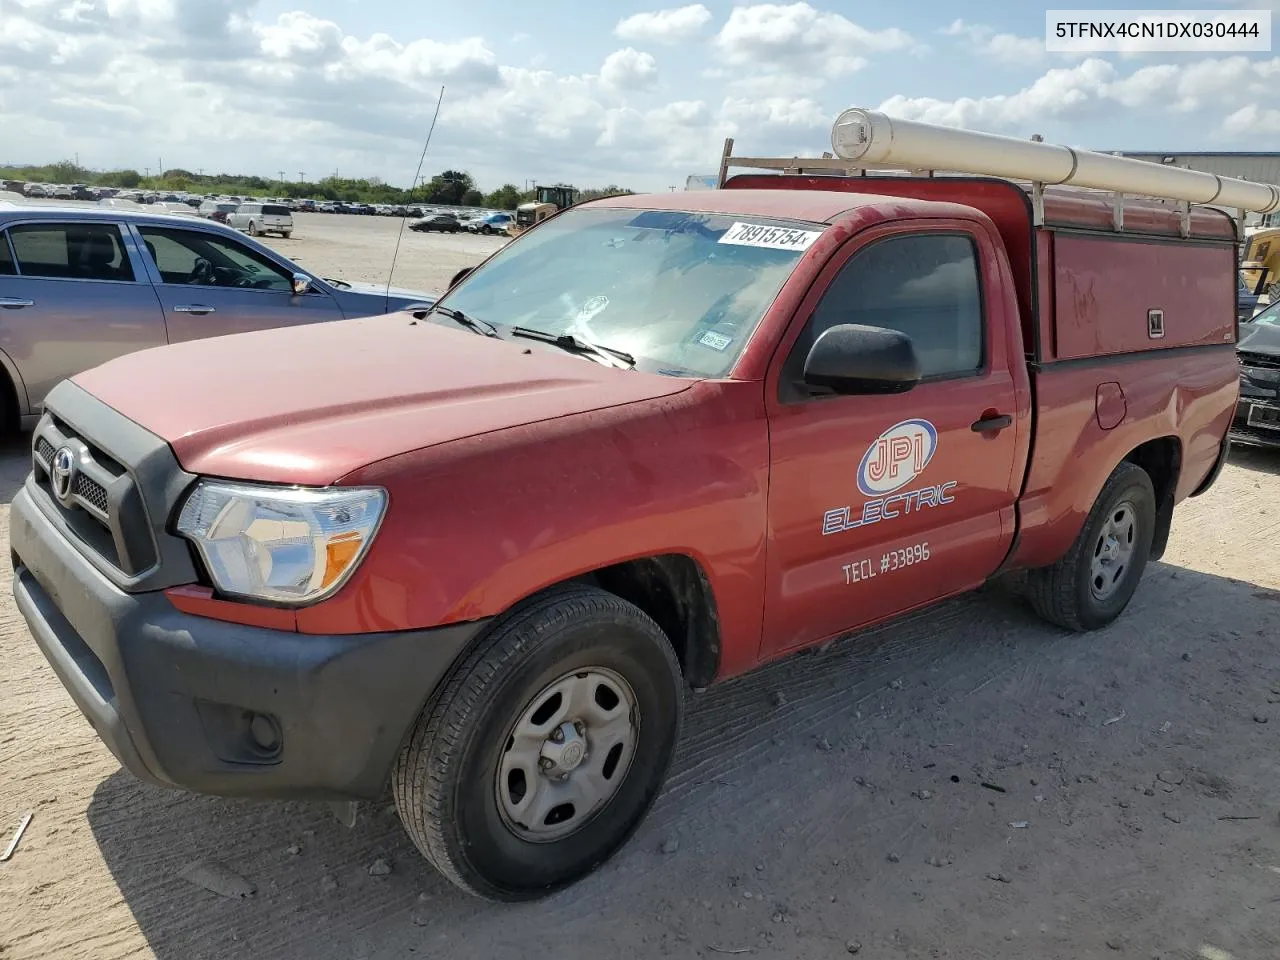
column 1269, row 317
column 681, row 292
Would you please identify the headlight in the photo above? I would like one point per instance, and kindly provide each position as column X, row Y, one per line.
column 281, row 544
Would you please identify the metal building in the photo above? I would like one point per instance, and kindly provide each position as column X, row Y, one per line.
column 1261, row 167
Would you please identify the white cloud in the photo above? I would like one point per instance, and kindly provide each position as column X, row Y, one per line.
column 1057, row 93
column 1004, row 47
column 803, row 113
column 1094, row 89
column 796, row 38
column 1252, row 121
column 629, row 69
column 220, row 85
column 664, row 26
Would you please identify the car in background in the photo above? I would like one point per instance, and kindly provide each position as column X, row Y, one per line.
column 442, row 222
column 81, row 285
column 175, row 207
column 490, row 223
column 256, row 219
column 217, row 210
column 1257, row 419
column 1247, row 302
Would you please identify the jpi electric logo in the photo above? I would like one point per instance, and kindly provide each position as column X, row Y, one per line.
column 893, row 460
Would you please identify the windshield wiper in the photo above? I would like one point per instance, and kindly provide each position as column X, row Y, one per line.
column 575, row 344
column 336, row 283
column 483, row 327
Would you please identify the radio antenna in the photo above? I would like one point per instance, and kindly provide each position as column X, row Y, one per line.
column 417, row 174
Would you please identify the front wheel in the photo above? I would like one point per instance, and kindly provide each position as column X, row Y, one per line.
column 1090, row 586
column 544, row 749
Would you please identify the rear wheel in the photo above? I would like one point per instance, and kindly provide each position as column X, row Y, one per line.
column 544, row 749
column 286, row 234
column 1090, row 586
column 253, row 229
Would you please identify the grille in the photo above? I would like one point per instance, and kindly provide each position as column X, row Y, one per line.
column 103, row 510
column 1262, row 360
column 90, row 490
column 1246, row 434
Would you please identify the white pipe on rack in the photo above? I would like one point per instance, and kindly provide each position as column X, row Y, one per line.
column 873, row 140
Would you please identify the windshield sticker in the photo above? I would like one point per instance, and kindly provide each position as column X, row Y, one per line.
column 774, row 238
column 892, row 461
column 716, row 341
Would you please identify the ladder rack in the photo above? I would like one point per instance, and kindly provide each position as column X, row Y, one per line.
column 829, row 165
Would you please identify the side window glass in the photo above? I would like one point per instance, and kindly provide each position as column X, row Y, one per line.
column 207, row 260
column 71, row 251
column 925, row 286
column 7, row 269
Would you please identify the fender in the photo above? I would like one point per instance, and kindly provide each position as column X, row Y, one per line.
column 26, row 417
column 478, row 524
column 1183, row 395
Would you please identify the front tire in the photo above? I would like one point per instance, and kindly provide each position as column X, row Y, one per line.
column 1090, row 586
column 544, row 749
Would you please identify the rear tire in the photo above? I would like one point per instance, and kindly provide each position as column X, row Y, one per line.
column 253, row 229
column 579, row 664
column 1090, row 586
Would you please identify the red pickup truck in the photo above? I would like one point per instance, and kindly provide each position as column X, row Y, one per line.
column 481, row 552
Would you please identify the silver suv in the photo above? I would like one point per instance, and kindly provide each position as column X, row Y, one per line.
column 79, row 286
column 259, row 218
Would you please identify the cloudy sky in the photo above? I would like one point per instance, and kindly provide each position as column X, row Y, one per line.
column 590, row 92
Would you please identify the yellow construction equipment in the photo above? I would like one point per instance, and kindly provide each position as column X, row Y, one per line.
column 547, row 200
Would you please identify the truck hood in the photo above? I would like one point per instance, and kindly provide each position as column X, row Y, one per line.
column 308, row 405
column 1261, row 338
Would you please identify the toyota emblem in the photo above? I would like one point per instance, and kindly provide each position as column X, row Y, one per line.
column 64, row 462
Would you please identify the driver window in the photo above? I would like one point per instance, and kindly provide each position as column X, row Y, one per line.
column 207, row 260
column 924, row 285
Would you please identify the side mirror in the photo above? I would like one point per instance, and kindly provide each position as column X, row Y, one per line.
column 852, row 358
column 459, row 276
column 301, row 284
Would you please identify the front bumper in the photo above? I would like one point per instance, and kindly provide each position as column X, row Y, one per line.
column 222, row 708
column 1244, row 432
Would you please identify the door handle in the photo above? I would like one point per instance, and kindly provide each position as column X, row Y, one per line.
column 196, row 308
column 15, row 303
column 988, row 424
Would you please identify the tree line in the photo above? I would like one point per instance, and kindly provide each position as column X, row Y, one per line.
column 450, row 187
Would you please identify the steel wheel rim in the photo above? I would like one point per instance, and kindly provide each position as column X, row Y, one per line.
column 567, row 754
column 1113, row 551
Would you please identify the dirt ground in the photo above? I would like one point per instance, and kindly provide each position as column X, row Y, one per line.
column 965, row 783
column 359, row 248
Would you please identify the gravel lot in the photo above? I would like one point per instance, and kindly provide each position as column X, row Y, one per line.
column 360, row 248
column 964, row 783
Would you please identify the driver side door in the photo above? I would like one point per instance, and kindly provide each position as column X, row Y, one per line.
column 238, row 291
